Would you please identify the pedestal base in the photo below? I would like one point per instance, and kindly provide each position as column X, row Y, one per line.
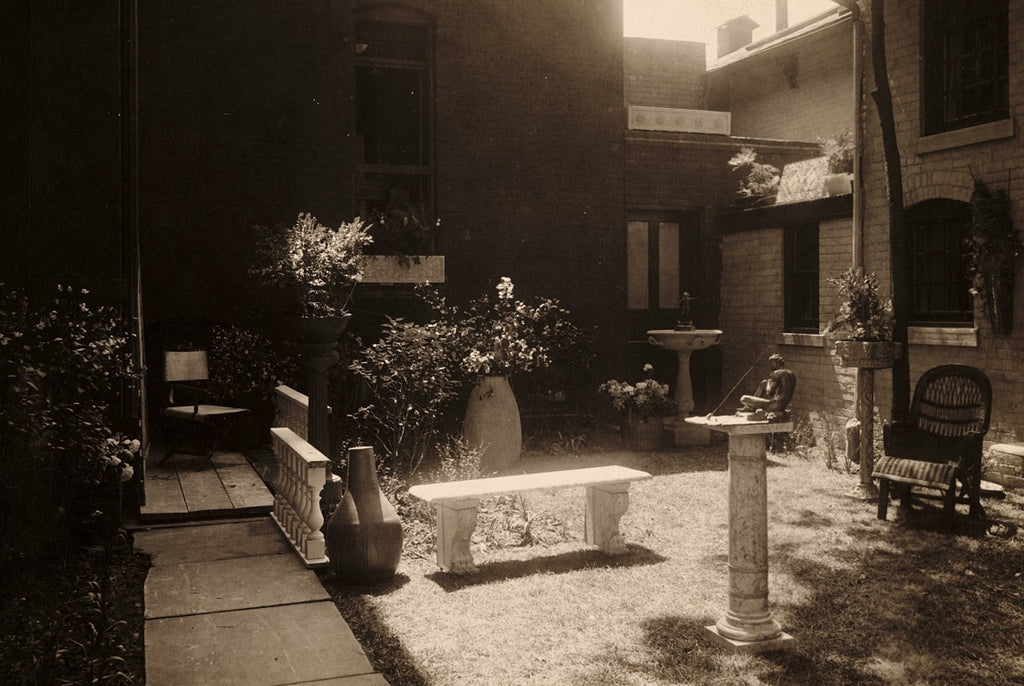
column 865, row 492
column 685, row 434
column 733, row 646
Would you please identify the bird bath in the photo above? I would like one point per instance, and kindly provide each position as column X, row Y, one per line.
column 683, row 342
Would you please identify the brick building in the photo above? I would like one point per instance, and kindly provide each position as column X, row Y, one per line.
column 951, row 131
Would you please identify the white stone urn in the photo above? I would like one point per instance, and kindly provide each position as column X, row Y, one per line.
column 867, row 354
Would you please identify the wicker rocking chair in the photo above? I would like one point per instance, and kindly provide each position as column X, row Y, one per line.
column 941, row 442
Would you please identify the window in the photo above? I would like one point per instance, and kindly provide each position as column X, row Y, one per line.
column 936, row 230
column 653, row 265
column 660, row 259
column 966, row 58
column 800, row 247
column 393, row 112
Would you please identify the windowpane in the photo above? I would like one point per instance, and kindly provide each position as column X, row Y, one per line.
column 637, row 255
column 801, row 277
column 967, row 62
column 389, row 118
column 668, row 265
column 936, row 230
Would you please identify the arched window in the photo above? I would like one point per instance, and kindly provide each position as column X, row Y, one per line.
column 936, row 230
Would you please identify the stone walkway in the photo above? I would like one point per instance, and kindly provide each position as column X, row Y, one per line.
column 229, row 603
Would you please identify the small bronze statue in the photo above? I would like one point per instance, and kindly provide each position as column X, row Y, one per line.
column 773, row 394
column 685, row 321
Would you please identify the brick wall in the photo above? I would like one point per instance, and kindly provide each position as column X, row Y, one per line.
column 946, row 172
column 247, row 119
column 752, row 316
column 62, row 200
column 663, row 73
column 529, row 143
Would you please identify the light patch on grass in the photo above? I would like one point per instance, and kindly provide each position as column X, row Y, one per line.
column 869, row 602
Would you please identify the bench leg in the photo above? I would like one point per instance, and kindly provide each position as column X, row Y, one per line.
column 455, row 524
column 605, row 506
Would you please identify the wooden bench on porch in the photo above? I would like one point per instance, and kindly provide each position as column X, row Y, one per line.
column 607, row 493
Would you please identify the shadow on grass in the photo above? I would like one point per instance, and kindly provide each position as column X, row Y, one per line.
column 909, row 603
column 562, row 563
column 383, row 647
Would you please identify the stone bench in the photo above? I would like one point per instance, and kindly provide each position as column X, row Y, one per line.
column 607, row 493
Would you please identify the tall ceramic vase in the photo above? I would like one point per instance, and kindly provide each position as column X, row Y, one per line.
column 364, row 535
column 493, row 425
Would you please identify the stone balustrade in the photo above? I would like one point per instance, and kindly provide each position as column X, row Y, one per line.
column 301, row 474
column 292, row 410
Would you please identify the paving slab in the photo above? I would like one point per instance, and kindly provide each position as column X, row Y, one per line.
column 163, row 496
column 221, row 585
column 245, row 488
column 208, row 542
column 287, row 644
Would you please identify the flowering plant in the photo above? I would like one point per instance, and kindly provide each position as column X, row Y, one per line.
column 863, row 315
column 118, row 454
column 319, row 266
column 504, row 336
column 646, row 398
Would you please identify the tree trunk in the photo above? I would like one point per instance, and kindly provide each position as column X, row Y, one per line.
column 897, row 222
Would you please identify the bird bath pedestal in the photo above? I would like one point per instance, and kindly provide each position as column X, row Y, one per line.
column 683, row 342
column 748, row 625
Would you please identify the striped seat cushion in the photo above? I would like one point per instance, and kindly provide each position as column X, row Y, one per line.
column 918, row 472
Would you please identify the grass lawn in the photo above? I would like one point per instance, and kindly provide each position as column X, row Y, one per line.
column 868, row 602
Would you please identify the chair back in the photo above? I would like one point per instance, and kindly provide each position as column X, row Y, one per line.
column 185, row 365
column 952, row 400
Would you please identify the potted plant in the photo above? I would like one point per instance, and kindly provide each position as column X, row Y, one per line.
column 862, row 329
column 403, row 244
column 316, row 266
column 642, row 404
column 761, row 183
column 838, row 150
column 991, row 249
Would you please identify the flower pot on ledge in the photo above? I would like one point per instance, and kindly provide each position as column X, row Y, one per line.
column 404, row 269
column 867, row 354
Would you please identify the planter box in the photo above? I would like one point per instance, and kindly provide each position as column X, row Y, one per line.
column 410, row 269
column 867, row 354
column 838, row 184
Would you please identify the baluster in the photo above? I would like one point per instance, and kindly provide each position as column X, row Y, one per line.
column 315, row 545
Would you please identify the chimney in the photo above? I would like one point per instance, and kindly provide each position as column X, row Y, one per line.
column 735, row 33
column 781, row 15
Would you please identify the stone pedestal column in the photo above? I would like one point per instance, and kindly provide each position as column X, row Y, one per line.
column 318, row 352
column 748, row 625
column 865, row 404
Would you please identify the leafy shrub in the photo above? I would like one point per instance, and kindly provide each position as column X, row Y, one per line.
column 246, row 364
column 63, row 366
column 457, row 461
column 412, row 378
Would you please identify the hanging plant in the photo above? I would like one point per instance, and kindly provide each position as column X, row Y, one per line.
column 991, row 251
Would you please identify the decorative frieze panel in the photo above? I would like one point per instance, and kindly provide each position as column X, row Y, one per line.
column 643, row 118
